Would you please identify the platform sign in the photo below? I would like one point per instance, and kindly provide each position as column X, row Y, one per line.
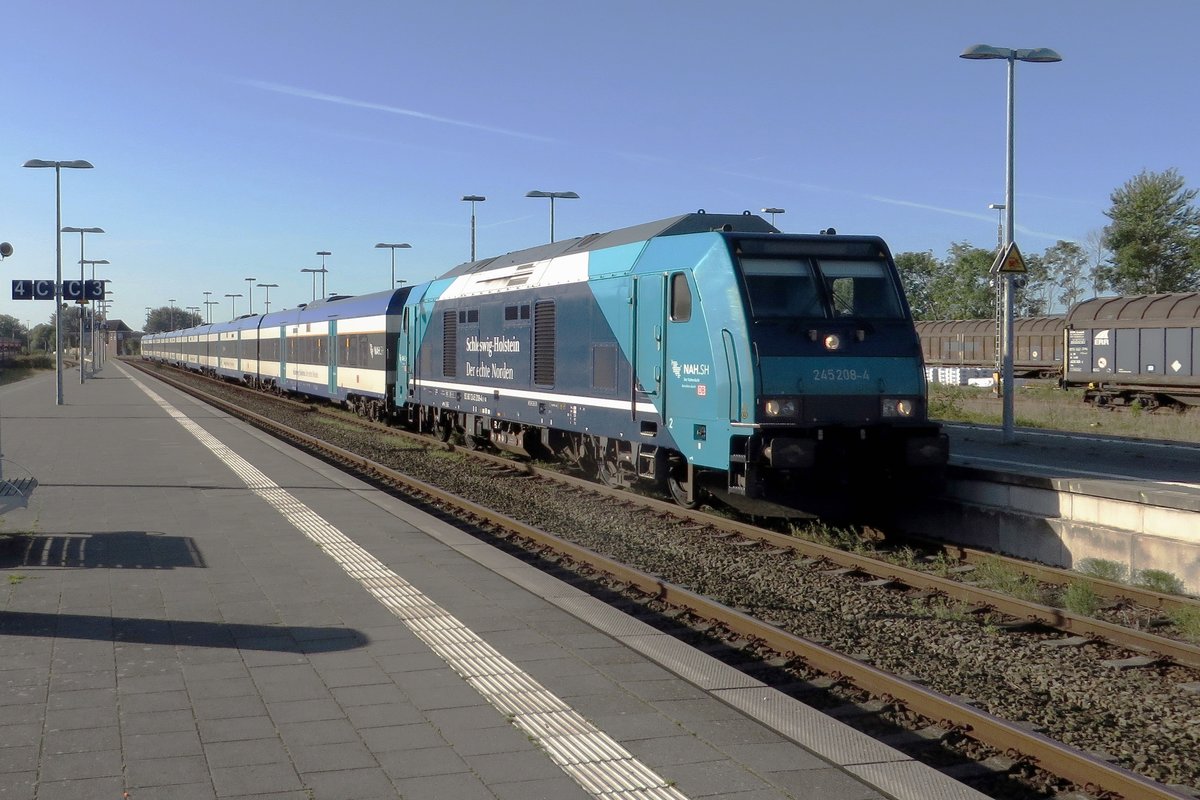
column 1010, row 261
column 33, row 290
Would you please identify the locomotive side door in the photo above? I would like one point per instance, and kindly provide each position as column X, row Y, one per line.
column 648, row 339
column 406, row 357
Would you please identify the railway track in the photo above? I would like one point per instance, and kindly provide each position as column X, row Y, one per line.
column 954, row 715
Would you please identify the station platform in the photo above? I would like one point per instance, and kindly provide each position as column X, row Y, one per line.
column 1061, row 498
column 192, row 609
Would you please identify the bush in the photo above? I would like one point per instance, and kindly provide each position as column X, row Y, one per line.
column 1158, row 580
column 1081, row 598
column 1187, row 619
column 1103, row 569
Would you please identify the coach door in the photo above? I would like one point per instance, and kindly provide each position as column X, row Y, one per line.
column 648, row 339
column 405, row 357
column 333, row 358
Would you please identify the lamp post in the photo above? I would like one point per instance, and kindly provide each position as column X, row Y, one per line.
column 82, row 303
column 999, row 209
column 773, row 212
column 322, row 254
column 393, row 247
column 473, row 199
column 314, row 272
column 250, row 296
column 172, row 302
column 94, row 339
column 552, row 196
column 267, row 301
column 208, row 304
column 148, row 310
column 1041, row 55
column 58, row 350
column 233, row 304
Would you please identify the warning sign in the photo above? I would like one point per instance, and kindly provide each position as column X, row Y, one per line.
column 1010, row 260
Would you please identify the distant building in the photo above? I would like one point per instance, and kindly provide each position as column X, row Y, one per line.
column 119, row 338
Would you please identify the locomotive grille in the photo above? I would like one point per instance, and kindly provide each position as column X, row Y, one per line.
column 544, row 331
column 449, row 344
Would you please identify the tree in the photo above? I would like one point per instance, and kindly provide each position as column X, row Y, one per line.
column 1097, row 254
column 1065, row 262
column 957, row 287
column 1032, row 291
column 1154, row 236
column 166, row 318
column 918, row 272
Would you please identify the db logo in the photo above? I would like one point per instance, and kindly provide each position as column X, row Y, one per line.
column 701, row 390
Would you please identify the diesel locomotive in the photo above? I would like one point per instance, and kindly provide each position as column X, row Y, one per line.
column 708, row 354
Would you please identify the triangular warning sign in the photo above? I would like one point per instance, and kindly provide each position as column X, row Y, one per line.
column 1010, row 260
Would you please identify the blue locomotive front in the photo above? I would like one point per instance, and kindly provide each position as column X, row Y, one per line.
column 709, row 354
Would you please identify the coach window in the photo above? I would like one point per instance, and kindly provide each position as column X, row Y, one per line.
column 681, row 298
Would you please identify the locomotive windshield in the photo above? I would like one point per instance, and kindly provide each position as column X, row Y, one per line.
column 788, row 287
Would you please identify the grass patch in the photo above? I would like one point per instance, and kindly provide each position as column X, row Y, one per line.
column 1103, row 569
column 1081, row 598
column 1188, row 622
column 1158, row 580
column 991, row 573
column 1042, row 405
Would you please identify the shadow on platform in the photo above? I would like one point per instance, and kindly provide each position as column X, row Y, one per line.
column 275, row 638
column 107, row 550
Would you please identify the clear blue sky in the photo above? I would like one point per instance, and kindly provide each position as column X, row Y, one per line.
column 236, row 138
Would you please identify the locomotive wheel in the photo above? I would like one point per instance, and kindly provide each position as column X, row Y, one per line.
column 678, row 493
column 609, row 473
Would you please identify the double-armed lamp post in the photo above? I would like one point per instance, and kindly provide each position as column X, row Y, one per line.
column 58, row 166
column 1037, row 55
column 552, row 196
column 81, row 232
column 393, row 248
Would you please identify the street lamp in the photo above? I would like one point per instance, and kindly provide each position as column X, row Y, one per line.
column 233, row 304
column 473, row 199
column 267, row 302
column 208, row 304
column 322, row 254
column 250, row 298
column 94, row 339
column 314, row 271
column 58, row 351
column 552, row 196
column 172, row 302
column 1042, row 55
column 82, row 302
column 999, row 209
column 393, row 247
column 773, row 212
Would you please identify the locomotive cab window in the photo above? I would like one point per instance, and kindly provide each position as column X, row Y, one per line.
column 781, row 288
column 860, row 289
column 681, row 298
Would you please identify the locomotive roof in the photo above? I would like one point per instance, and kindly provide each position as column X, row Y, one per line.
column 672, row 226
column 1146, row 307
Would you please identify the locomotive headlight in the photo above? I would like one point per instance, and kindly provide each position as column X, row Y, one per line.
column 780, row 407
column 898, row 407
column 833, row 342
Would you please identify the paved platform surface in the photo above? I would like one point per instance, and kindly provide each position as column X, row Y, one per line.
column 204, row 612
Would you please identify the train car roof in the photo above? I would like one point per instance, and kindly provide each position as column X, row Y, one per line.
column 698, row 222
column 351, row 306
column 1141, row 308
column 1052, row 323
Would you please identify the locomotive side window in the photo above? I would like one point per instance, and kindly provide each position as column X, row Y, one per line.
column 860, row 289
column 681, row 298
column 781, row 288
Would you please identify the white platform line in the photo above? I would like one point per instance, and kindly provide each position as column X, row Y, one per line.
column 593, row 759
